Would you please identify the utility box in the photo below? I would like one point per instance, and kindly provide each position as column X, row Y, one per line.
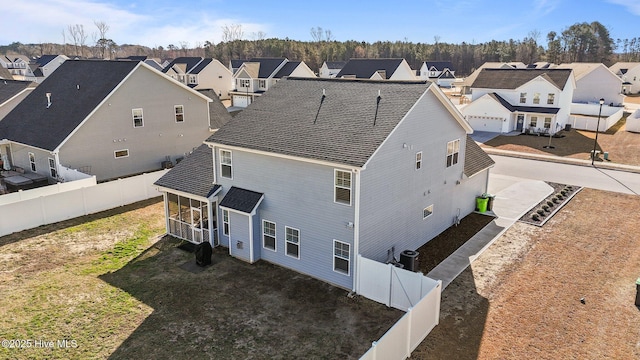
column 409, row 259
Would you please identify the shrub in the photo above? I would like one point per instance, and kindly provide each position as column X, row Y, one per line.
column 545, row 208
column 535, row 217
column 540, row 212
column 550, row 203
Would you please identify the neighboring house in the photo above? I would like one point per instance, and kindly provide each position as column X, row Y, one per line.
column 5, row 74
column 633, row 122
column 440, row 72
column 201, row 73
column 254, row 77
column 330, row 69
column 468, row 81
column 377, row 69
column 44, row 65
column 105, row 118
column 234, row 65
column 318, row 171
column 154, row 63
column 12, row 92
column 18, row 66
column 524, row 100
column 594, row 81
column 629, row 72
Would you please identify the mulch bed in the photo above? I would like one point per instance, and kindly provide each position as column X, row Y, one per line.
column 546, row 208
column 440, row 247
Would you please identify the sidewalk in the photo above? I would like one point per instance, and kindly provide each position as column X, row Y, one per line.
column 513, row 198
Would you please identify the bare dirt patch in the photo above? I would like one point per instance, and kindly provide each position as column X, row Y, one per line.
column 623, row 146
column 522, row 297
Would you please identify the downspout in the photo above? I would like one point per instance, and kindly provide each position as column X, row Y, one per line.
column 356, row 230
column 251, row 238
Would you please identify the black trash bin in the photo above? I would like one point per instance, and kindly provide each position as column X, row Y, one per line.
column 409, row 259
column 203, row 254
column 638, row 292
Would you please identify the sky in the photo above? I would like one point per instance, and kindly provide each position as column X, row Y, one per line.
column 156, row 23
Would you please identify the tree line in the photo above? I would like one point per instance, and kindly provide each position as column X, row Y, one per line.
column 580, row 42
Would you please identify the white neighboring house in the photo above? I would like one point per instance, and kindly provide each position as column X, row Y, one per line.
column 440, row 72
column 18, row 66
column 330, row 69
column 594, row 81
column 633, row 122
column 377, row 69
column 201, row 73
column 524, row 100
column 629, row 72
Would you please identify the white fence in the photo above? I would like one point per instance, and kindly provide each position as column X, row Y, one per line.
column 70, row 201
column 585, row 116
column 412, row 292
column 633, row 122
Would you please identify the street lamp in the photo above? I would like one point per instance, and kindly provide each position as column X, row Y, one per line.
column 595, row 142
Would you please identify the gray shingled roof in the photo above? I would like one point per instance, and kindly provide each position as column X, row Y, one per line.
column 267, row 66
column 5, row 74
column 440, row 65
column 293, row 119
column 188, row 61
column 11, row 88
column 218, row 114
column 203, row 64
column 76, row 88
column 527, row 109
column 193, row 175
column 475, row 159
column 241, row 199
column 365, row 68
column 45, row 59
column 335, row 64
column 287, row 69
column 514, row 78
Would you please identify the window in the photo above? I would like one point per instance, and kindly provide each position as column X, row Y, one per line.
column 341, row 257
column 52, row 168
column 32, row 161
column 225, row 164
column 292, row 241
column 523, row 98
column 245, row 83
column 418, row 160
column 426, row 212
column 547, row 123
column 192, row 79
column 262, row 84
column 453, row 147
column 550, row 99
column 536, row 98
column 137, row 118
column 269, row 235
column 121, row 153
column 342, row 187
column 179, row 111
column 534, row 121
column 225, row 222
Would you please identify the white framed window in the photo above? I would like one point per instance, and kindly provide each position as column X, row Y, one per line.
column 342, row 188
column 121, row 153
column 137, row 118
column 245, row 83
column 292, row 242
column 547, row 123
column 32, row 161
column 52, row 168
column 225, row 222
column 192, row 79
column 179, row 112
column 523, row 98
column 262, row 84
column 453, row 148
column 269, row 235
column 536, row 98
column 426, row 212
column 341, row 257
column 226, row 168
column 533, row 122
column 551, row 98
column 418, row 160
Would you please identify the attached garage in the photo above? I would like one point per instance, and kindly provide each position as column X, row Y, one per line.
column 241, row 100
column 486, row 123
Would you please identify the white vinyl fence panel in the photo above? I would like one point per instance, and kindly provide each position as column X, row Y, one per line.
column 71, row 200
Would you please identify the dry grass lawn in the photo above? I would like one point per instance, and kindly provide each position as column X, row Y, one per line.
column 522, row 298
column 623, row 146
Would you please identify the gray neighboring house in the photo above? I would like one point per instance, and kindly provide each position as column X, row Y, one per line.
column 105, row 118
column 45, row 65
column 317, row 171
column 377, row 69
column 11, row 93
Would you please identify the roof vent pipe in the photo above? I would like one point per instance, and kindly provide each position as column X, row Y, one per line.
column 78, row 87
column 48, row 100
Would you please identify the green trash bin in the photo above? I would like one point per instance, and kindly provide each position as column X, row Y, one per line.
column 481, row 203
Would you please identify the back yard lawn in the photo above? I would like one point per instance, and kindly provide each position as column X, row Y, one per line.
column 623, row 146
column 111, row 283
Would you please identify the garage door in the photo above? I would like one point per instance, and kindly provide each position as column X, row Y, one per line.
column 241, row 100
column 485, row 123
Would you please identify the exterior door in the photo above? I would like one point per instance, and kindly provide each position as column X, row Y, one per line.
column 196, row 225
column 520, row 122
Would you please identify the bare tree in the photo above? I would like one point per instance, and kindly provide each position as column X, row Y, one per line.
column 328, row 35
column 64, row 42
column 184, row 47
column 79, row 37
column 317, row 34
column 101, row 42
column 232, row 32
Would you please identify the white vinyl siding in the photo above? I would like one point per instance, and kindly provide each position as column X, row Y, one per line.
column 269, row 235
column 292, row 242
column 342, row 188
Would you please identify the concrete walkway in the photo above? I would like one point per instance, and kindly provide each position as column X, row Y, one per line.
column 513, row 198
